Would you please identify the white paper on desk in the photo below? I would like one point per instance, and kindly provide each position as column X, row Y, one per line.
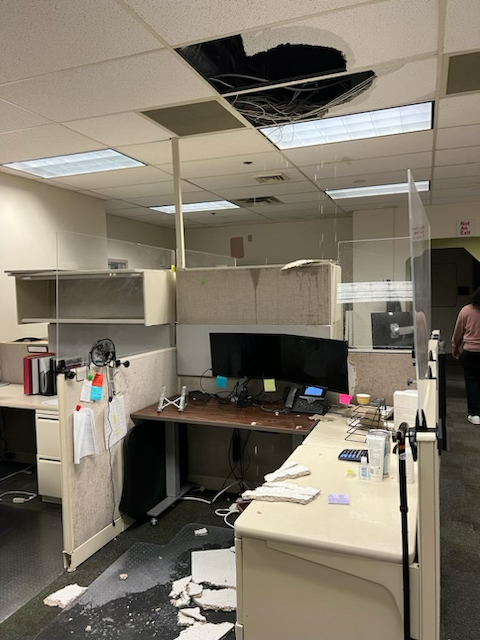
column 84, row 438
column 115, row 423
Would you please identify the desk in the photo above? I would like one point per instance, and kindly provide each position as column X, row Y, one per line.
column 213, row 414
column 47, row 429
column 320, row 568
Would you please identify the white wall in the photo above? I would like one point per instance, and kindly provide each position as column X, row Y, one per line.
column 275, row 243
column 132, row 231
column 393, row 222
column 31, row 214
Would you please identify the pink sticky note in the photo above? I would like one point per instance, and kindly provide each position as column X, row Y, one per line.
column 344, row 398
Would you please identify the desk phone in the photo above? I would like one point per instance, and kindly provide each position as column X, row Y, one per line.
column 308, row 399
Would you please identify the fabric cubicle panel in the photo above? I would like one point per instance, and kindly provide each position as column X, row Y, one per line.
column 380, row 373
column 89, row 504
column 256, row 295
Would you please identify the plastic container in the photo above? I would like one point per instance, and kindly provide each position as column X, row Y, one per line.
column 384, row 433
column 376, row 456
column 364, row 470
column 363, row 398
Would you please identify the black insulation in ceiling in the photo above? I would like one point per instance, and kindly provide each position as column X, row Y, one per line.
column 225, row 65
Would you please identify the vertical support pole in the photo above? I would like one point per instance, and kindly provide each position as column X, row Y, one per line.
column 177, row 191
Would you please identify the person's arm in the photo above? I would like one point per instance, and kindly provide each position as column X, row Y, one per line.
column 457, row 337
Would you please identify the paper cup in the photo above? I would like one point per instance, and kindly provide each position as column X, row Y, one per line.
column 363, row 398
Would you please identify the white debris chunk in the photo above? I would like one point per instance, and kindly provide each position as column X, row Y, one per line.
column 64, row 596
column 179, row 585
column 288, row 471
column 232, row 549
column 188, row 617
column 88, row 627
column 215, row 567
column 217, row 600
column 183, row 600
column 282, row 492
column 207, row 631
column 201, row 532
column 193, row 589
column 123, row 576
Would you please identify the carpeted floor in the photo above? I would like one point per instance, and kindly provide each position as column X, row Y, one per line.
column 460, row 535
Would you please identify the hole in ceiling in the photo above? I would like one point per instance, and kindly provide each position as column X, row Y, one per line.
column 226, row 66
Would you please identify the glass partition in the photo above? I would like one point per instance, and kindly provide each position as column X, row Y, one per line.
column 375, row 293
column 202, row 259
column 105, row 288
column 420, row 248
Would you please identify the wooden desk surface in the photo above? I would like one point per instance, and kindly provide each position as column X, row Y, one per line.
column 230, row 416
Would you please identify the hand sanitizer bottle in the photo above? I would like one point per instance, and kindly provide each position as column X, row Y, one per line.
column 364, row 472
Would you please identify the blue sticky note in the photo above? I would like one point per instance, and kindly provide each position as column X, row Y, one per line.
column 221, row 382
column 96, row 393
column 338, row 498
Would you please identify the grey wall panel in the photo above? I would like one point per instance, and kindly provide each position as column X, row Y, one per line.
column 193, row 341
column 380, row 373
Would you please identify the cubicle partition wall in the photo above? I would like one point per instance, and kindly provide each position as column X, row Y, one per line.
column 91, row 490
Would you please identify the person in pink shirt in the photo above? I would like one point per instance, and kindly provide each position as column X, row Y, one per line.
column 467, row 335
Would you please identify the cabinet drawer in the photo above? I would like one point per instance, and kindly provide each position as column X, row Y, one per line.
column 49, row 478
column 48, row 438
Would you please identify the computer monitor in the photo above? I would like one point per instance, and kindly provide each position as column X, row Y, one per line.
column 392, row 330
column 310, row 361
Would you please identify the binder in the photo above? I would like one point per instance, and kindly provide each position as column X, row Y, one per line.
column 39, row 374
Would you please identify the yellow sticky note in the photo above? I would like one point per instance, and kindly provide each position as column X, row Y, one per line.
column 269, row 385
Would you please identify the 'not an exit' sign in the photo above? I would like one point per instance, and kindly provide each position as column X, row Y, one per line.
column 465, row 227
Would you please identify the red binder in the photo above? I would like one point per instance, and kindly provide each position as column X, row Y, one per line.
column 27, row 371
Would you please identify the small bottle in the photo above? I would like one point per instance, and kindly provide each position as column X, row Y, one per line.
column 364, row 472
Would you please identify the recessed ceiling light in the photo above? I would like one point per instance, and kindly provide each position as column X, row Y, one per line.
column 76, row 164
column 376, row 190
column 371, row 124
column 215, row 205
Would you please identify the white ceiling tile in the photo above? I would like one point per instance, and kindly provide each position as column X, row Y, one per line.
column 457, row 156
column 459, row 110
column 312, row 197
column 175, row 21
column 168, row 199
column 223, row 145
column 115, row 205
column 266, row 190
column 242, row 179
column 456, row 183
column 141, row 190
column 454, row 199
column 396, row 84
column 43, row 142
column 452, row 137
column 462, row 22
column 466, row 192
column 13, row 118
column 457, row 171
column 46, row 36
column 359, row 149
column 259, row 163
column 165, row 220
column 116, row 178
column 409, row 29
column 134, row 83
column 234, row 217
column 369, row 166
column 291, row 216
column 322, row 206
column 120, row 129
column 156, row 153
column 132, row 212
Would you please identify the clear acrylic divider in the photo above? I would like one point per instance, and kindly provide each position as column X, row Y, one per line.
column 420, row 250
column 375, row 293
column 99, row 289
column 202, row 259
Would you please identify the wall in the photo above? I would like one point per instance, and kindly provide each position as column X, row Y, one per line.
column 31, row 213
column 132, row 231
column 275, row 243
column 393, row 222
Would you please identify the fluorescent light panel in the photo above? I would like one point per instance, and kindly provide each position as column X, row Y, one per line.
column 76, row 164
column 215, row 205
column 376, row 190
column 371, row 124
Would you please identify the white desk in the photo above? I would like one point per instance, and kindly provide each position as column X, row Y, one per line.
column 47, row 428
column 320, row 570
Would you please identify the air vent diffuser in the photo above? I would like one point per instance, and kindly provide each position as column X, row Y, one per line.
column 272, row 178
column 463, row 73
column 253, row 202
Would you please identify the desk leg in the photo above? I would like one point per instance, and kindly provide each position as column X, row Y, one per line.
column 297, row 440
column 172, row 472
